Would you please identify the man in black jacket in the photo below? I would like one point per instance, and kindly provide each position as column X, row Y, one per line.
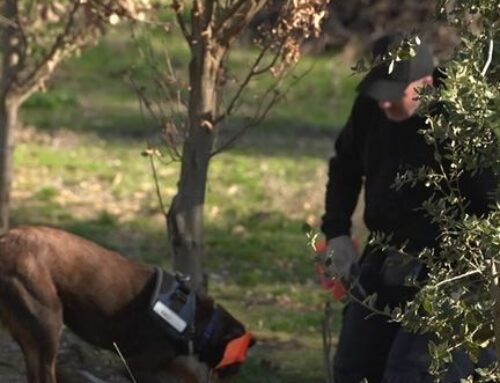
column 380, row 140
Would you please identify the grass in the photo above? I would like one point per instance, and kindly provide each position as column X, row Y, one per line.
column 78, row 166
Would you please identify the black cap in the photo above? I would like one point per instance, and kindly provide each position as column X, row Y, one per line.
column 381, row 85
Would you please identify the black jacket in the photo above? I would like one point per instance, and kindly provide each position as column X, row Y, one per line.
column 373, row 149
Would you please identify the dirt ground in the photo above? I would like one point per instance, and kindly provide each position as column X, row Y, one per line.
column 77, row 362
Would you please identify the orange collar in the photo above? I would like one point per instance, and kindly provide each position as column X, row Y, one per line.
column 236, row 350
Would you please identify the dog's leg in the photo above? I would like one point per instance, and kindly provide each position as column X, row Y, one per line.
column 29, row 348
column 34, row 319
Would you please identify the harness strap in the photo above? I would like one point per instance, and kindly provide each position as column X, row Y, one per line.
column 209, row 331
column 173, row 306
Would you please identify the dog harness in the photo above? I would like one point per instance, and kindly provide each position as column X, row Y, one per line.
column 173, row 305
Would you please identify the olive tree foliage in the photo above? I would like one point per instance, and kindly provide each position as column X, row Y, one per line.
column 36, row 36
column 191, row 115
column 460, row 300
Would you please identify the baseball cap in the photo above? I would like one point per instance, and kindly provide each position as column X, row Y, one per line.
column 381, row 85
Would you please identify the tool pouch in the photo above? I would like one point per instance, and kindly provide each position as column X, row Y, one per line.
column 400, row 269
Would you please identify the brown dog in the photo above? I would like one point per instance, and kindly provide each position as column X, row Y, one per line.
column 49, row 277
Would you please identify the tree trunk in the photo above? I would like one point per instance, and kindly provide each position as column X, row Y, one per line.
column 12, row 50
column 185, row 218
column 8, row 122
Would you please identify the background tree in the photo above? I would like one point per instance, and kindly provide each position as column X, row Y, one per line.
column 36, row 37
column 352, row 26
column 210, row 28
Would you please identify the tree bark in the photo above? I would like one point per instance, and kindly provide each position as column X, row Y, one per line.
column 12, row 52
column 185, row 218
column 8, row 122
column 209, row 39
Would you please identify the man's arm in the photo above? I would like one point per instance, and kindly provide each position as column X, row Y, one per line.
column 344, row 180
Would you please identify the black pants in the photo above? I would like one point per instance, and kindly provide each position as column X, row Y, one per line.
column 372, row 348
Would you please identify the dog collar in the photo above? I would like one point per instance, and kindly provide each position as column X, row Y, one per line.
column 236, row 351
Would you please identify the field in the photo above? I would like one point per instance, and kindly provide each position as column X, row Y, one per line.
column 78, row 166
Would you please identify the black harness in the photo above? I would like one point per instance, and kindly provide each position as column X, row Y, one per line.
column 173, row 307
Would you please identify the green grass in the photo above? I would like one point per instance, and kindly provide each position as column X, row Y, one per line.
column 80, row 168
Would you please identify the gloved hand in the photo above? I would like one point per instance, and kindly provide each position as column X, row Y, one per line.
column 341, row 257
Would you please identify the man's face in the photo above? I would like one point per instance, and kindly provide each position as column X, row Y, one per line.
column 407, row 105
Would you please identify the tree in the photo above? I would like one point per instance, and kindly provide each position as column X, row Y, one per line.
column 36, row 37
column 460, row 302
column 209, row 28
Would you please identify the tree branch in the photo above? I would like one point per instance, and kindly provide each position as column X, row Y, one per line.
column 230, row 12
column 9, row 69
column 251, row 74
column 178, row 8
column 456, row 278
column 234, row 21
column 490, row 57
column 262, row 110
column 61, row 48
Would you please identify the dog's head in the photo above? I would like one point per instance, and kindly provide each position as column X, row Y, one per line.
column 222, row 341
column 219, row 340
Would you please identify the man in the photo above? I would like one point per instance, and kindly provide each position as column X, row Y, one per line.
column 380, row 140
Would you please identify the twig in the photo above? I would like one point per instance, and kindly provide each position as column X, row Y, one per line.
column 124, row 362
column 251, row 73
column 327, row 341
column 461, row 276
column 229, row 14
column 4, row 20
column 177, row 7
column 490, row 57
column 60, row 49
column 157, row 183
column 234, row 21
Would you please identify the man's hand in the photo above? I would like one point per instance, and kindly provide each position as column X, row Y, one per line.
column 341, row 257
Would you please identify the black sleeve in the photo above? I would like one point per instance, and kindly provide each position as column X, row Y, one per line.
column 344, row 179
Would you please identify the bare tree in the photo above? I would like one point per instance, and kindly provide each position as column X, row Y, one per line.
column 35, row 38
column 209, row 28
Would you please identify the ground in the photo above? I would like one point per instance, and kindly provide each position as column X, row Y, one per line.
column 77, row 362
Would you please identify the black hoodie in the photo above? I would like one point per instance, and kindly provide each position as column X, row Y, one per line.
column 374, row 149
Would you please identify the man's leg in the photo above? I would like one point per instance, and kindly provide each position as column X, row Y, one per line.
column 364, row 344
column 409, row 361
